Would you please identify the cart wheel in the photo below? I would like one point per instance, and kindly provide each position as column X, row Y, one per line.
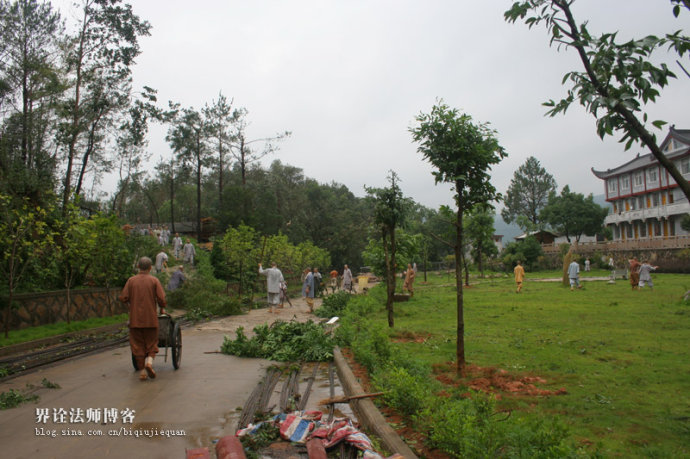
column 176, row 345
column 134, row 362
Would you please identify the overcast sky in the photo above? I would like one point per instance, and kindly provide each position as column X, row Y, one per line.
column 348, row 78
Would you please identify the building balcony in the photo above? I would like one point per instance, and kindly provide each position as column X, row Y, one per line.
column 645, row 243
column 659, row 213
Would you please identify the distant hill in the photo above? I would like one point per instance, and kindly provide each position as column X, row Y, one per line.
column 510, row 231
column 601, row 200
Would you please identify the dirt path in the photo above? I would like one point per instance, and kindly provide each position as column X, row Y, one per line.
column 299, row 311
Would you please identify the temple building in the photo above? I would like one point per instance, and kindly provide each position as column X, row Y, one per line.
column 647, row 203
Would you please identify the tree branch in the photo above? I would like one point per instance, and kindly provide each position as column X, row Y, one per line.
column 440, row 239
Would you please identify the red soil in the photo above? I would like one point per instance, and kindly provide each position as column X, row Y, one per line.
column 496, row 381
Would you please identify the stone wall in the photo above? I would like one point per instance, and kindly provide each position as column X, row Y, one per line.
column 32, row 309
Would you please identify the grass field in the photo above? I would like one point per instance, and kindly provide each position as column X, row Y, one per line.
column 46, row 331
column 621, row 355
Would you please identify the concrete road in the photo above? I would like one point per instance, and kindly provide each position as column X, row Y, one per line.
column 160, row 418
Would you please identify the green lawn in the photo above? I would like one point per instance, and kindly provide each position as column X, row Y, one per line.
column 621, row 355
column 46, row 331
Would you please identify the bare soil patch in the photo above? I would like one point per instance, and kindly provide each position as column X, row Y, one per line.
column 411, row 337
column 496, row 381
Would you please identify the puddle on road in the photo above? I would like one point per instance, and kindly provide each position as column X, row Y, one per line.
column 208, row 436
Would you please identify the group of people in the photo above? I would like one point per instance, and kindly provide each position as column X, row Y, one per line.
column 346, row 278
column 312, row 285
column 640, row 274
column 161, row 260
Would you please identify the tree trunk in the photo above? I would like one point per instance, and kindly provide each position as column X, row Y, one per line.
column 480, row 265
column 75, row 120
column 467, row 270
column 243, row 162
column 220, row 174
column 567, row 259
column 198, row 196
column 87, row 154
column 390, row 280
column 69, row 298
column 155, row 210
column 460, row 338
column 8, row 312
column 172, row 196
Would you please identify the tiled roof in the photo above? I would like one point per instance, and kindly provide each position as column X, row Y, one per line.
column 643, row 161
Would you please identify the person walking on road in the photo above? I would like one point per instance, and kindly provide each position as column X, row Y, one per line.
column 334, row 280
column 317, row 282
column 143, row 292
column 347, row 279
column 519, row 272
column 161, row 261
column 308, row 289
column 177, row 245
column 273, row 280
column 284, row 294
column 189, row 252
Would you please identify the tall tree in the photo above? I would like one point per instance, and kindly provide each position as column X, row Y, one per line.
column 243, row 149
column 618, row 78
column 390, row 212
column 220, row 117
column 479, row 228
column 187, row 137
column 29, row 82
column 131, row 144
column 574, row 215
column 99, row 58
column 462, row 153
column 527, row 194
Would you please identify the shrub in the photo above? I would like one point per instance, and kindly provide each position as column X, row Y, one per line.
column 405, row 392
column 202, row 295
column 538, row 438
column 463, row 427
column 369, row 342
column 283, row 341
column 333, row 305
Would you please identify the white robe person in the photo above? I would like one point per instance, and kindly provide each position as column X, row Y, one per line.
column 347, row 279
column 177, row 245
column 273, row 280
column 189, row 251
